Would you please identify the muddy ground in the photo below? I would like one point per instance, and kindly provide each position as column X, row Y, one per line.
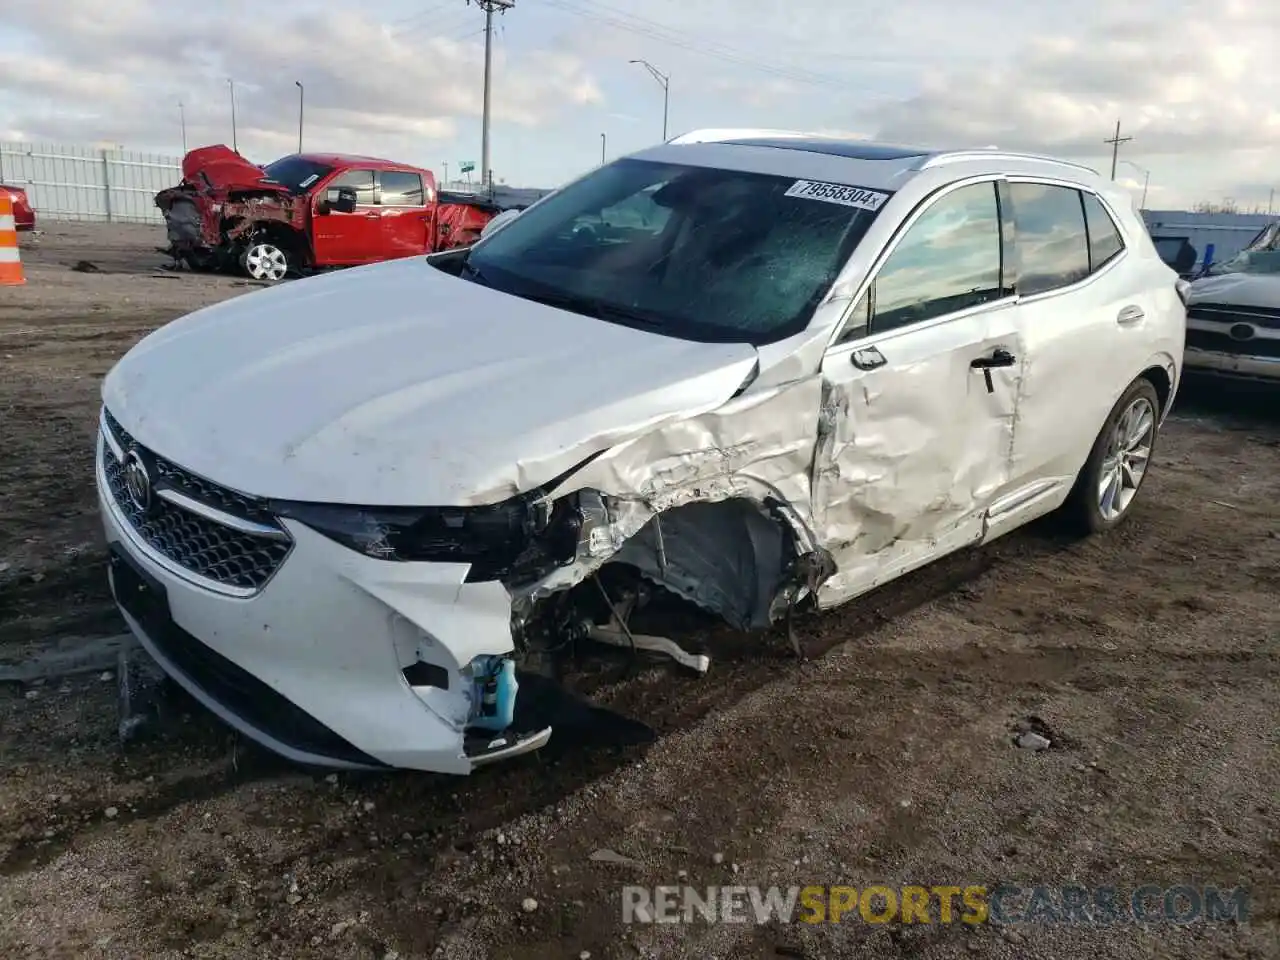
column 1151, row 656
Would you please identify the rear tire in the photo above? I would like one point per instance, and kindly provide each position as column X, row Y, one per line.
column 1108, row 484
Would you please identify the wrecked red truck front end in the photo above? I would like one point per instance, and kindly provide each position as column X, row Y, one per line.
column 221, row 200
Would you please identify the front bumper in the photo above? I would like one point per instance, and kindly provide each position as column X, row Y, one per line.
column 1231, row 365
column 312, row 664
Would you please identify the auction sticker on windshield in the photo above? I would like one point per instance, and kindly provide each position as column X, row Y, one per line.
column 858, row 197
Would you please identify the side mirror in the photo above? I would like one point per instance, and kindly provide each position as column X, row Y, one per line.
column 339, row 200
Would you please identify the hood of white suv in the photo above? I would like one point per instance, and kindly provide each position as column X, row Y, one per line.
column 400, row 385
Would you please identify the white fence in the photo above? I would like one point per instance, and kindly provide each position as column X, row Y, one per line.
column 68, row 182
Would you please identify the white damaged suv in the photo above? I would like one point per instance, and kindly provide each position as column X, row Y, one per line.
column 758, row 369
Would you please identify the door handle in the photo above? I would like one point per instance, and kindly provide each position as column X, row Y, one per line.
column 1000, row 357
column 867, row 359
column 372, row 215
column 1130, row 314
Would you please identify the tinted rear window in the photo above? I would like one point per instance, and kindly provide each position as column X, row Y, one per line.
column 1104, row 237
column 401, row 189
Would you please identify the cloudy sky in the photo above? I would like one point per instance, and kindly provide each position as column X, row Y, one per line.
column 1196, row 85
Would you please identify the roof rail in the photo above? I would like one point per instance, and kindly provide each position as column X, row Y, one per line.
column 721, row 134
column 991, row 153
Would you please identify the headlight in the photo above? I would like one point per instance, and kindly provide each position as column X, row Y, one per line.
column 1184, row 290
column 496, row 540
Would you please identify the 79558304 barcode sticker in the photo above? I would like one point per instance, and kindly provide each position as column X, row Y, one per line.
column 859, row 197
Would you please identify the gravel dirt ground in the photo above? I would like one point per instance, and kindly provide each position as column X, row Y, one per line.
column 1150, row 656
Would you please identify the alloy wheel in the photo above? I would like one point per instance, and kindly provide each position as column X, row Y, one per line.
column 266, row 261
column 1126, row 460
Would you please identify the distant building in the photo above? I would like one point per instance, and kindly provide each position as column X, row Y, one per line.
column 1226, row 233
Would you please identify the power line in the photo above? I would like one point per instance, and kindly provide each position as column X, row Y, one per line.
column 652, row 30
column 420, row 15
column 706, row 48
column 853, row 58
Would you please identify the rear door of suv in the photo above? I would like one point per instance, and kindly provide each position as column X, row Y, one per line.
column 1082, row 318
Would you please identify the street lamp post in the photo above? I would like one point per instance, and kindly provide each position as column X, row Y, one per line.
column 234, row 145
column 1146, row 181
column 300, row 95
column 182, row 116
column 664, row 80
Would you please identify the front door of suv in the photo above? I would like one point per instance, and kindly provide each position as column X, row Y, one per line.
column 916, row 430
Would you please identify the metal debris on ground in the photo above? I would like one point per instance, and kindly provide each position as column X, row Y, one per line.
column 1033, row 741
column 72, row 656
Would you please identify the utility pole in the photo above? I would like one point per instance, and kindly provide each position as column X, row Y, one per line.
column 182, row 116
column 300, row 95
column 603, row 141
column 664, row 81
column 232, row 84
column 489, row 7
column 446, row 175
column 1115, row 148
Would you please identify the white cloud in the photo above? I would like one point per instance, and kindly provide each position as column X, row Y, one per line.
column 1197, row 88
column 117, row 71
column 1197, row 92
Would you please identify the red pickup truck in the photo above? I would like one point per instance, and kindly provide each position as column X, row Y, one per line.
column 309, row 211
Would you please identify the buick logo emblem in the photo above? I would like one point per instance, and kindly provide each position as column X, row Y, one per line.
column 137, row 481
column 1241, row 331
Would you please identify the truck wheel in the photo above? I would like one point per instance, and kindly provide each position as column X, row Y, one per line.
column 263, row 260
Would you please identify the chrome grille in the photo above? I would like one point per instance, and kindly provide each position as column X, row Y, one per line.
column 1264, row 318
column 241, row 559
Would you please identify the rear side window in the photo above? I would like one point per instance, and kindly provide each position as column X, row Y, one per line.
column 361, row 181
column 1104, row 239
column 401, row 189
column 1053, row 244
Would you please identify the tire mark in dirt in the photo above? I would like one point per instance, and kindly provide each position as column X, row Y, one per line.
column 30, row 850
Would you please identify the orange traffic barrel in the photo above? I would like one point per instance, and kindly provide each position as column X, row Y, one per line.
column 10, row 259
